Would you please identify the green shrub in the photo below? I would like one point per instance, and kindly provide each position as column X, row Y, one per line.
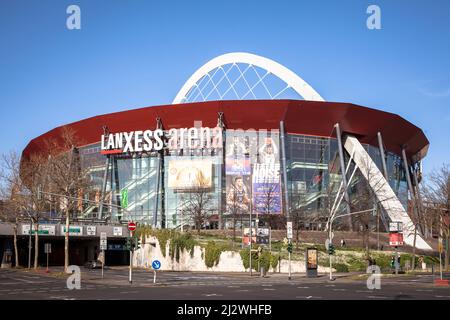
column 357, row 264
column 265, row 259
column 274, row 261
column 180, row 242
column 340, row 267
column 212, row 253
column 245, row 256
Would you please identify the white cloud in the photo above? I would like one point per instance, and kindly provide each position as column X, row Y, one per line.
column 436, row 94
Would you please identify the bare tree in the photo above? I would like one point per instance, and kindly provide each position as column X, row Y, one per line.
column 270, row 200
column 10, row 183
column 30, row 178
column 68, row 179
column 196, row 203
column 437, row 194
column 367, row 188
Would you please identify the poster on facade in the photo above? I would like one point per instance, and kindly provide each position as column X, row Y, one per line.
column 268, row 149
column 190, row 174
column 237, row 166
column 246, row 237
column 238, row 194
column 266, row 188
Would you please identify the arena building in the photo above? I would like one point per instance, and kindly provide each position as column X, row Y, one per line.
column 230, row 145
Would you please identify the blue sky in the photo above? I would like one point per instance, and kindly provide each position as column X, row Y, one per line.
column 131, row 54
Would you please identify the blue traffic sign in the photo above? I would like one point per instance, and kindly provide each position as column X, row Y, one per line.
column 156, row 264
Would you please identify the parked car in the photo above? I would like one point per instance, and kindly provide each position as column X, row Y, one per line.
column 93, row 264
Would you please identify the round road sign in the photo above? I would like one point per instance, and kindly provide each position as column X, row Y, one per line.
column 131, row 226
column 156, row 264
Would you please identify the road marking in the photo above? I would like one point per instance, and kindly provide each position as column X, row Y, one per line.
column 376, row 297
column 233, row 287
column 420, row 290
column 267, row 285
column 266, row 289
column 302, row 287
column 212, row 295
column 339, row 289
column 307, row 297
column 242, row 290
column 442, row 296
column 330, row 285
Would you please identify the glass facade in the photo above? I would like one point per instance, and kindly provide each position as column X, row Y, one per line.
column 244, row 174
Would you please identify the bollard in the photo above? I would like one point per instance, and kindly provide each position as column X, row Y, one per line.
column 262, row 272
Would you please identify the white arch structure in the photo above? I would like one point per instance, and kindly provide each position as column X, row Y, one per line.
column 291, row 79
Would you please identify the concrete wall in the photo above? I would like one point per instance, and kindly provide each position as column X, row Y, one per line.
column 230, row 261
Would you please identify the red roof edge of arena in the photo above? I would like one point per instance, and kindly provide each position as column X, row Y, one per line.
column 300, row 117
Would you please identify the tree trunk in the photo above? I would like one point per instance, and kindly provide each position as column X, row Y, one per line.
column 413, row 262
column 16, row 251
column 234, row 229
column 36, row 245
column 446, row 253
column 66, row 241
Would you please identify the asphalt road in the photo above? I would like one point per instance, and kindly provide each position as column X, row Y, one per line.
column 23, row 284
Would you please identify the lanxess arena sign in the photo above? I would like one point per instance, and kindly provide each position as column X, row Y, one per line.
column 156, row 140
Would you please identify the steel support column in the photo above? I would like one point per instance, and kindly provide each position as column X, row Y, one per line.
column 408, row 180
column 383, row 156
column 222, row 181
column 344, row 177
column 158, row 173
column 117, row 183
column 284, row 169
column 103, row 191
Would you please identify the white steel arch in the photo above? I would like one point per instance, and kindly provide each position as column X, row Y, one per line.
column 291, row 79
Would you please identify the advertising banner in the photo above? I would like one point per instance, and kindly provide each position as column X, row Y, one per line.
column 396, row 239
column 252, row 169
column 311, row 258
column 237, row 166
column 263, row 235
column 190, row 174
column 246, row 238
column 267, row 189
column 238, row 194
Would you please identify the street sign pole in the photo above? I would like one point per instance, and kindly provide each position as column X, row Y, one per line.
column 103, row 261
column 250, row 258
column 47, row 251
column 396, row 260
column 130, row 274
column 156, row 264
column 289, row 236
column 103, row 247
column 131, row 228
column 289, row 261
column 330, row 242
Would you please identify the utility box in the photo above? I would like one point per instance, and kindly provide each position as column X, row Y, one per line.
column 311, row 261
